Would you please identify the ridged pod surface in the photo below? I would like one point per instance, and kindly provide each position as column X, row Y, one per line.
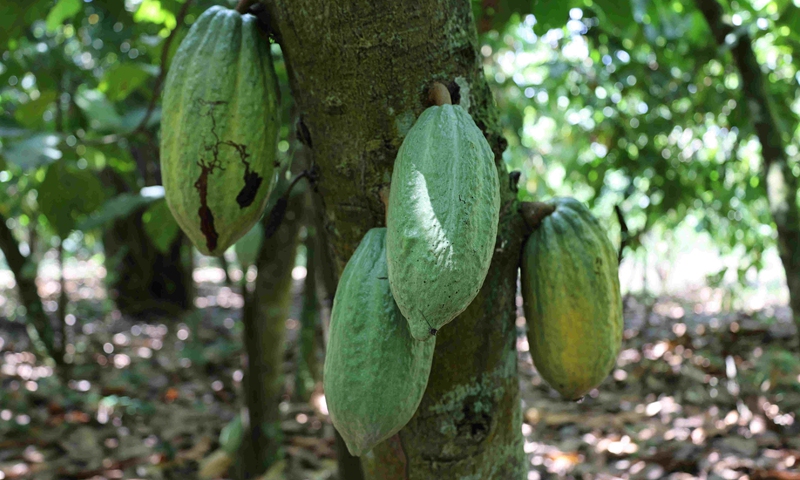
column 219, row 129
column 444, row 207
column 375, row 373
column 571, row 298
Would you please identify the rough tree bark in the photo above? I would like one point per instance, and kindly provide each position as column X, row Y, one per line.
column 782, row 186
column 359, row 73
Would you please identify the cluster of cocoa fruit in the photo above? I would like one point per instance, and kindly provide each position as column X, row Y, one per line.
column 406, row 281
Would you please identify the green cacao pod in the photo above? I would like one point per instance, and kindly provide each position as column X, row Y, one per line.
column 444, row 206
column 571, row 298
column 375, row 373
column 219, row 129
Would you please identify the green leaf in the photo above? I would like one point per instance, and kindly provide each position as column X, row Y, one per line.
column 30, row 114
column 17, row 16
column 550, row 14
column 153, row 11
column 247, row 247
column 616, row 13
column 497, row 14
column 116, row 207
column 66, row 194
column 33, row 152
column 120, row 81
column 160, row 225
column 62, row 10
column 133, row 117
column 100, row 112
column 230, row 438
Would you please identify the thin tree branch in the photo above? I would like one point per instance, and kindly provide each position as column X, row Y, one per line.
column 163, row 71
column 624, row 236
column 753, row 84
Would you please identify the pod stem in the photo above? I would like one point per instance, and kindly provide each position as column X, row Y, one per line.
column 439, row 95
column 244, row 5
column 535, row 212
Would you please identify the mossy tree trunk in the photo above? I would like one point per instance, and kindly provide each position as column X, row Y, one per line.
column 359, row 73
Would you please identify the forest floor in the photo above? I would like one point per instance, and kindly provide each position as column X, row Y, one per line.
column 693, row 395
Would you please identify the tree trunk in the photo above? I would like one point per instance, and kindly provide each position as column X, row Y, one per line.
column 359, row 73
column 141, row 279
column 265, row 313
column 40, row 330
column 307, row 367
column 782, row 186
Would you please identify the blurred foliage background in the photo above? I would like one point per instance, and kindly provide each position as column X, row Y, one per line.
column 640, row 108
column 628, row 104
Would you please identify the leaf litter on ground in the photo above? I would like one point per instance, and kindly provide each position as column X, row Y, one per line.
column 693, row 395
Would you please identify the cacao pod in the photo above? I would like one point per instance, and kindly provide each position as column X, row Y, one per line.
column 571, row 298
column 375, row 373
column 444, row 206
column 219, row 129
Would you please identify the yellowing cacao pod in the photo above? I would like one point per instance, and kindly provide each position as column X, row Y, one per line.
column 444, row 206
column 219, row 129
column 571, row 298
column 375, row 373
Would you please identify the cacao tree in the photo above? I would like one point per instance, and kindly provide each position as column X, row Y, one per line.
column 359, row 74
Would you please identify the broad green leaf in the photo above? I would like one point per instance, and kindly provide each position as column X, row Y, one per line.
column 160, row 225
column 249, row 245
column 230, row 438
column 497, row 14
column 62, row 10
column 550, row 14
column 153, row 11
column 16, row 16
column 134, row 117
column 66, row 194
column 120, row 81
column 32, row 152
column 11, row 129
column 616, row 13
column 116, row 207
column 100, row 112
column 30, row 114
